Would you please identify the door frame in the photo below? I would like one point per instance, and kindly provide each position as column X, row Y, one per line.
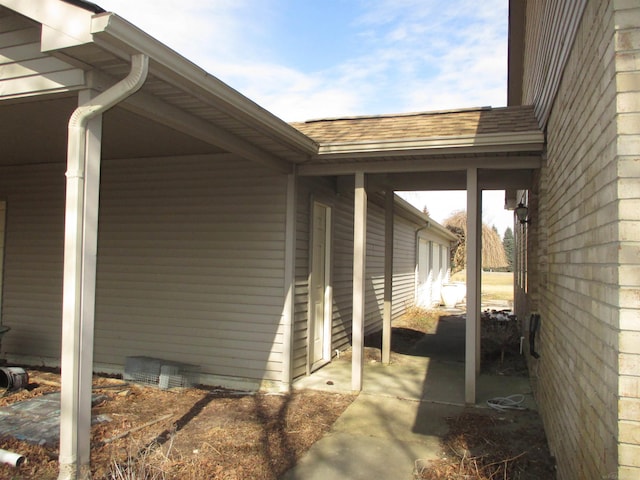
column 328, row 290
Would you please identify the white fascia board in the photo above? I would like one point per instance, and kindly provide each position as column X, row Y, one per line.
column 423, row 217
column 119, row 36
column 493, row 142
column 63, row 25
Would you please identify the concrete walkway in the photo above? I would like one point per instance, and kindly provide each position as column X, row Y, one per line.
column 399, row 418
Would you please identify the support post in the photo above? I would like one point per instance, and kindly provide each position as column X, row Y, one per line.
column 289, row 283
column 388, row 277
column 81, row 246
column 359, row 264
column 472, row 332
column 79, row 271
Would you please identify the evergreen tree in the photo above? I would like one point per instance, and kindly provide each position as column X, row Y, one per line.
column 509, row 247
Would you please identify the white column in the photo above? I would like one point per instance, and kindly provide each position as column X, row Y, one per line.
column 388, row 277
column 359, row 264
column 472, row 335
column 80, row 255
column 289, row 284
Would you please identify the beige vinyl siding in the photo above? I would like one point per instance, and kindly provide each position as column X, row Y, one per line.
column 32, row 290
column 404, row 265
column 24, row 69
column 324, row 190
column 374, row 273
column 190, row 263
column 3, row 221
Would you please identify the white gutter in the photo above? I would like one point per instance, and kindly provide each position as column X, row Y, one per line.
column 490, row 142
column 121, row 37
column 80, row 247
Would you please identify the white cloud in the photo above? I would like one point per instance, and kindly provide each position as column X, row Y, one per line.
column 412, row 55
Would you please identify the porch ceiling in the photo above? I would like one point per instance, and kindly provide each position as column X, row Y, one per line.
column 35, row 131
column 180, row 109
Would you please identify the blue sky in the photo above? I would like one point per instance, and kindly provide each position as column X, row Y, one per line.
column 304, row 59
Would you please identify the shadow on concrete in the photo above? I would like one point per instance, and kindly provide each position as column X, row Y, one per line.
column 401, row 414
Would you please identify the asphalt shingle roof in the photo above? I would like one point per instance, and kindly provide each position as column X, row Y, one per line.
column 421, row 125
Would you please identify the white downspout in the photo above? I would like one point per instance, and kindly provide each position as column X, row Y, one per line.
column 80, row 247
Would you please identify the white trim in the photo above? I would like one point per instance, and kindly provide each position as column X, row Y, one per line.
column 121, row 37
column 499, row 142
column 413, row 162
column 288, row 310
column 79, row 270
column 390, row 200
column 359, row 268
column 327, row 296
column 474, row 224
column 63, row 25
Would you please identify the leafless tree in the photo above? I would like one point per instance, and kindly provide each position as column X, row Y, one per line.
column 493, row 254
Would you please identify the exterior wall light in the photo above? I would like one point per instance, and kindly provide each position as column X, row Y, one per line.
column 522, row 213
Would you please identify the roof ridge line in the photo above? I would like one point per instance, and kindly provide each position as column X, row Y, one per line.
column 395, row 115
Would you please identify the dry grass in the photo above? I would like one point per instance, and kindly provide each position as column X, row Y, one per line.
column 495, row 285
column 419, row 319
column 488, row 446
column 199, row 433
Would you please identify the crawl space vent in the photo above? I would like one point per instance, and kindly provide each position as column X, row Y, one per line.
column 160, row 373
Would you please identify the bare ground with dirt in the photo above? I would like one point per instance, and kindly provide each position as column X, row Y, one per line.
column 212, row 433
column 197, row 433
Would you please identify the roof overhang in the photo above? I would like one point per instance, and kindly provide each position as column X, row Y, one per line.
column 177, row 94
column 459, row 145
column 124, row 39
column 431, row 163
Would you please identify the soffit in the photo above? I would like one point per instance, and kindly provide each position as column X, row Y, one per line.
column 176, row 93
column 107, row 68
column 35, row 131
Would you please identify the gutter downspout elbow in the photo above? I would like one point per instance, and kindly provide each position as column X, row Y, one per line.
column 107, row 99
column 79, row 279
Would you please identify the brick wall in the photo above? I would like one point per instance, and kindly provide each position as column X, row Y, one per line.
column 627, row 67
column 585, row 252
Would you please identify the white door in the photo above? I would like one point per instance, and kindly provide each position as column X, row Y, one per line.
column 320, row 292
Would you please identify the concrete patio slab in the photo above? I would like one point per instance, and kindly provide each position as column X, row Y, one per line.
column 400, row 417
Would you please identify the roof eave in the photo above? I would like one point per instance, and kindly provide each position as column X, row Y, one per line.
column 423, row 217
column 123, row 38
column 492, row 142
